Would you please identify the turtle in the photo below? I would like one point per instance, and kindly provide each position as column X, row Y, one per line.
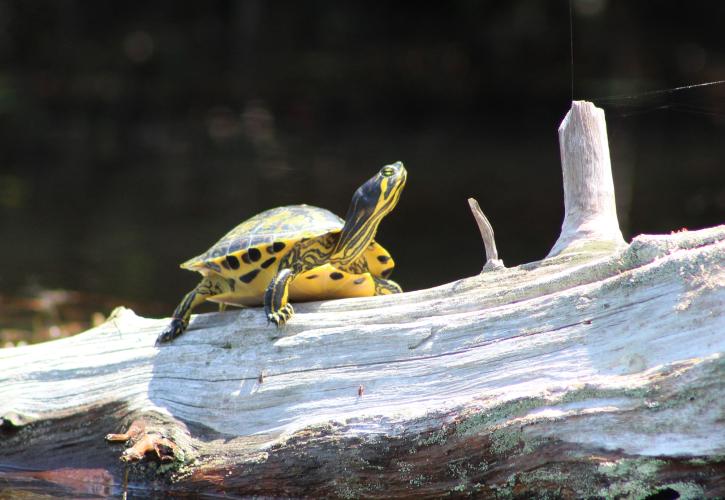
column 298, row 253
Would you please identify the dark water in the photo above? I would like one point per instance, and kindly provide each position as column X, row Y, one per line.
column 134, row 135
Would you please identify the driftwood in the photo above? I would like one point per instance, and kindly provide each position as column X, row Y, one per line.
column 596, row 372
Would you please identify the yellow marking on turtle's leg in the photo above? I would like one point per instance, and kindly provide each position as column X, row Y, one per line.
column 182, row 313
column 304, row 255
column 190, row 301
column 386, row 287
column 276, row 304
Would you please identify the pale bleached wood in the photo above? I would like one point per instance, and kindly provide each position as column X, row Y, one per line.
column 595, row 372
column 590, row 210
column 486, row 230
column 617, row 354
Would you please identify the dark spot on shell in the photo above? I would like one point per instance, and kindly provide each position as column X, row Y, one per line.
column 232, row 261
column 268, row 262
column 225, row 264
column 232, row 284
column 245, row 258
column 311, row 277
column 387, row 272
column 359, row 281
column 383, row 259
column 254, row 254
column 336, row 276
column 247, row 278
column 276, row 247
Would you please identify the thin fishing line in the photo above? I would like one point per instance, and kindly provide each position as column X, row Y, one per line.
column 694, row 110
column 658, row 92
column 639, row 112
column 674, row 107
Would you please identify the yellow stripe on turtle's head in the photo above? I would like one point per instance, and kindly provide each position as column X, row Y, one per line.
column 371, row 202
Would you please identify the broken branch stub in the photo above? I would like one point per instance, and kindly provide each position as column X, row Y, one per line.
column 489, row 243
column 590, row 210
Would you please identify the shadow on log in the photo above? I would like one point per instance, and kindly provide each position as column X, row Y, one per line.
column 596, row 372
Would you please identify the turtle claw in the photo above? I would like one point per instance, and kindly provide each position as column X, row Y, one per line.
column 281, row 317
column 175, row 328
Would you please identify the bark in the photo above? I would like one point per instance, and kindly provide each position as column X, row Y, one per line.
column 596, row 372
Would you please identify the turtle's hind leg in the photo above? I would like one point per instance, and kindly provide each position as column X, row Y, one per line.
column 182, row 313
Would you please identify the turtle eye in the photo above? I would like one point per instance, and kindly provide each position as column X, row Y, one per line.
column 387, row 171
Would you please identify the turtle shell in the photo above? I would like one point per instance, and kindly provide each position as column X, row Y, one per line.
column 269, row 233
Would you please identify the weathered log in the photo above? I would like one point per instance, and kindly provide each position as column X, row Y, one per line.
column 596, row 372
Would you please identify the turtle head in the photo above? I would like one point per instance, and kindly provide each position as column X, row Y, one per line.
column 371, row 202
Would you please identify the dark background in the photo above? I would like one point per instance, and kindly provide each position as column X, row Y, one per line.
column 134, row 134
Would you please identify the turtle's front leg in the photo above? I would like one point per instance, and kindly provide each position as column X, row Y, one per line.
column 276, row 304
column 182, row 313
